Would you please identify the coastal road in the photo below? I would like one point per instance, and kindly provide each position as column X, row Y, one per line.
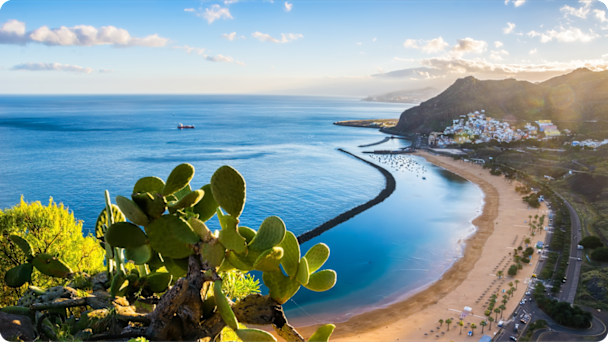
column 573, row 272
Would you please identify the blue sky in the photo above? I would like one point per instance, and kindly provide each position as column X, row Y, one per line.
column 291, row 47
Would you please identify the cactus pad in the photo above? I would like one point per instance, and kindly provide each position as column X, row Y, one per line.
column 322, row 281
column 156, row 261
column 303, row 272
column 247, row 233
column 125, row 235
column 229, row 188
column 188, row 200
column 269, row 260
column 281, row 287
column 139, row 255
column 206, row 207
column 102, row 220
column 19, row 275
column 213, row 252
column 183, row 192
column 171, row 236
column 131, row 211
column 176, row 269
column 229, row 235
column 226, row 266
column 255, row 335
column 49, row 265
column 23, row 244
column 119, row 283
column 223, row 306
column 200, row 228
column 158, row 281
column 152, row 204
column 317, row 256
column 239, row 261
column 271, row 233
column 291, row 254
column 322, row 334
column 178, row 179
column 149, row 184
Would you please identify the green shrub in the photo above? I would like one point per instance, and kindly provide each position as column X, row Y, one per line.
column 512, row 270
column 600, row 254
column 591, row 242
column 49, row 229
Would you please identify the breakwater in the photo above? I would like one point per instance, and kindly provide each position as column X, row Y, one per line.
column 377, row 143
column 389, row 188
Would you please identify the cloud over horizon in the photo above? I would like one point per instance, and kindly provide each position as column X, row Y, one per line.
column 13, row 32
column 564, row 35
column 285, row 38
column 427, row 46
column 51, row 67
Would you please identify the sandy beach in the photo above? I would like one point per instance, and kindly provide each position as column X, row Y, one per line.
column 469, row 282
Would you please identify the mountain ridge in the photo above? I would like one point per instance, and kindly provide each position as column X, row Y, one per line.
column 570, row 100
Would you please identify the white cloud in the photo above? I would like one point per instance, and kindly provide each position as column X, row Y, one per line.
column 215, row 12
column 411, row 43
column 435, row 45
column 498, row 44
column 219, row 58
column 288, row 6
column 106, row 71
column 467, row 45
column 189, row 49
column 231, row 36
column 533, row 51
column 497, row 55
column 13, row 32
column 51, row 67
column 380, row 70
column 358, row 43
column 510, row 27
column 580, row 12
column 189, row 10
column 373, row 40
column 228, row 2
column 240, row 63
column 600, row 15
column 285, row 38
column 516, row 3
column 572, row 34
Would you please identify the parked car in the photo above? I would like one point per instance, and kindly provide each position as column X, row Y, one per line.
column 528, row 293
column 579, row 259
column 513, row 338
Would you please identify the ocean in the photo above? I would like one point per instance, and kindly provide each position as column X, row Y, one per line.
column 74, row 147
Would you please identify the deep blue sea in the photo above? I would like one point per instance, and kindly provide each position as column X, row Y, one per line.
column 74, row 147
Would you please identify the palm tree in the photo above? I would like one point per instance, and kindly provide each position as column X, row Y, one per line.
column 516, row 282
column 461, row 323
column 497, row 311
column 483, row 324
column 440, row 323
column 473, row 327
column 499, row 274
column 487, row 313
column 505, row 297
column 502, row 308
column 448, row 322
column 510, row 284
column 490, row 319
column 527, row 241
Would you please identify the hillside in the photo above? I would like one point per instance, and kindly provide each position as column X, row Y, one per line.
column 572, row 101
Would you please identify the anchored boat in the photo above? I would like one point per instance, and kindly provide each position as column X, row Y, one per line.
column 182, row 126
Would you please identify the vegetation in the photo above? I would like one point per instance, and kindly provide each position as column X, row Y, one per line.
column 512, row 270
column 49, row 230
column 591, row 242
column 561, row 312
column 532, row 200
column 158, row 248
column 600, row 254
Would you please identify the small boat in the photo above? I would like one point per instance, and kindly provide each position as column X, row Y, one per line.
column 424, row 178
column 182, row 126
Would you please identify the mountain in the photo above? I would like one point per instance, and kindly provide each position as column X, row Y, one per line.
column 404, row 96
column 577, row 101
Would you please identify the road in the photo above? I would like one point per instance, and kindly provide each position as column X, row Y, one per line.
column 573, row 271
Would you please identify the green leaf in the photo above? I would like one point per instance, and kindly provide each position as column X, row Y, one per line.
column 171, row 236
column 207, row 206
column 176, row 267
column 102, row 220
column 269, row 260
column 291, row 256
column 183, row 192
column 49, row 265
column 19, row 275
column 178, row 179
column 139, row 255
column 281, row 287
column 229, row 190
column 23, row 244
column 255, row 335
column 158, row 282
column 317, row 256
column 213, row 252
column 223, row 306
column 188, row 200
column 131, row 211
column 229, row 235
column 152, row 204
column 247, row 233
column 321, row 281
column 125, row 235
column 271, row 233
column 149, row 184
column 303, row 275
column 322, row 334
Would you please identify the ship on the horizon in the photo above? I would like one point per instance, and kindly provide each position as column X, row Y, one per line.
column 182, row 126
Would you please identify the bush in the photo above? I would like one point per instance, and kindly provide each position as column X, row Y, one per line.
column 512, row 270
column 532, row 200
column 562, row 312
column 51, row 229
column 591, row 242
column 496, row 172
column 600, row 254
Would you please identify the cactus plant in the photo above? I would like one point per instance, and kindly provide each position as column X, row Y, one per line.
column 270, row 234
column 281, row 287
column 291, row 256
column 149, row 184
column 172, row 236
column 303, row 275
column 207, row 206
column 19, row 275
column 223, row 306
column 228, row 187
column 255, row 335
column 178, row 179
column 269, row 260
column 125, row 235
column 322, row 334
column 317, row 256
column 132, row 211
column 321, row 281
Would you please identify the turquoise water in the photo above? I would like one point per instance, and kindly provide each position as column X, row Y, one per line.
column 75, row 147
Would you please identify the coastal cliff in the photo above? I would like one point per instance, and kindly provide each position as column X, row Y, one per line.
column 577, row 101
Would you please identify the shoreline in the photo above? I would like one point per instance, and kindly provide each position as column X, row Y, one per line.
column 389, row 188
column 453, row 277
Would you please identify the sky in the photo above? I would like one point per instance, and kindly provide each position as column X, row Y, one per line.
column 346, row 48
